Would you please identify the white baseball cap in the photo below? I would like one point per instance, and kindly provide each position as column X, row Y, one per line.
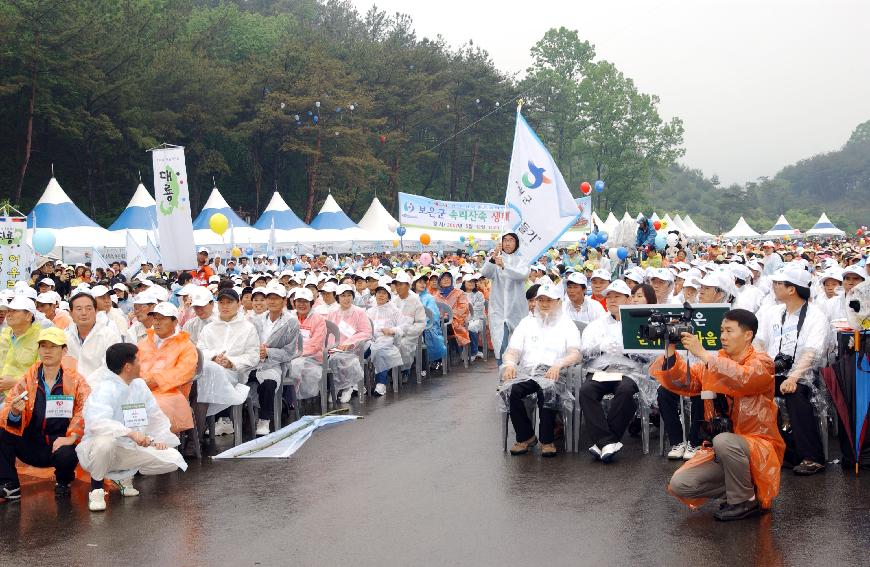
column 21, row 303
column 550, row 290
column 601, row 274
column 768, row 244
column 662, row 274
column 99, row 290
column 329, row 287
column 166, row 309
column 403, row 277
column 145, row 298
column 47, row 281
column 272, row 289
column 831, row 275
column 618, row 286
column 121, row 287
column 856, row 271
column 384, row 283
column 793, row 275
column 48, row 297
column 635, row 274
column 578, row 278
column 303, row 293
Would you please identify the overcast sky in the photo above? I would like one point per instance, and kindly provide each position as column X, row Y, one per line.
column 759, row 84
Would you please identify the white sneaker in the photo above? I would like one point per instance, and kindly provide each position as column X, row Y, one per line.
column 345, row 395
column 223, row 427
column 262, row 427
column 479, row 355
column 380, row 389
column 677, row 451
column 690, row 451
column 596, row 452
column 125, row 487
column 97, row 500
column 608, row 451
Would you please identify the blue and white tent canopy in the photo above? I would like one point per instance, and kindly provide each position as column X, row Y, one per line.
column 332, row 225
column 139, row 218
column 71, row 227
column 240, row 232
column 824, row 227
column 281, row 214
column 781, row 228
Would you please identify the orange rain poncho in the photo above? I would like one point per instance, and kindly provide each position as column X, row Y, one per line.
column 169, row 372
column 748, row 379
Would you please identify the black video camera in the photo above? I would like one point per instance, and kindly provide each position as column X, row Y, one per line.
column 782, row 364
column 662, row 326
column 719, row 422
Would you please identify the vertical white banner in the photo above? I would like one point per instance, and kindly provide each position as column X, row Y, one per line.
column 14, row 255
column 539, row 202
column 174, row 224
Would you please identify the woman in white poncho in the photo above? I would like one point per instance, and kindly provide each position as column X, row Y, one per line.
column 507, row 297
column 355, row 335
column 125, row 430
column 387, row 321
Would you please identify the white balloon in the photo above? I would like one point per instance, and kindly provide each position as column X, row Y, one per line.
column 613, row 253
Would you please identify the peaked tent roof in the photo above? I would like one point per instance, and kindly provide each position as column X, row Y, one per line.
column 781, row 228
column 140, row 214
column 217, row 204
column 283, row 216
column 741, row 230
column 56, row 210
column 379, row 221
column 680, row 225
column 655, row 217
column 332, row 217
column 694, row 230
column 825, row 227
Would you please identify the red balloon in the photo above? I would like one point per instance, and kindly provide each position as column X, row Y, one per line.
column 383, row 139
column 859, row 232
column 585, row 188
column 657, row 225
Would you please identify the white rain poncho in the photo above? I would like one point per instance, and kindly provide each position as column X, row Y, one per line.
column 355, row 329
column 413, row 325
column 476, row 306
column 602, row 350
column 104, row 417
column 507, row 296
column 91, row 354
column 281, row 344
column 385, row 354
column 537, row 344
column 237, row 339
column 809, row 348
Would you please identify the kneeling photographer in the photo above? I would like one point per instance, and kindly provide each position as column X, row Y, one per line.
column 742, row 455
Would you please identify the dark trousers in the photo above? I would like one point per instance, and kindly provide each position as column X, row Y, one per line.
column 520, row 419
column 35, row 453
column 608, row 429
column 804, row 441
column 669, row 414
column 266, row 394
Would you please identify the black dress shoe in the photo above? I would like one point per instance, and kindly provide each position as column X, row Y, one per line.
column 61, row 489
column 731, row 512
column 808, row 468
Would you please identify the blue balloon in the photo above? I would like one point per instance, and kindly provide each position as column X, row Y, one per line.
column 249, row 251
column 315, row 119
column 602, row 237
column 461, row 239
column 592, row 240
column 661, row 241
column 297, row 267
column 401, row 231
column 621, row 253
column 43, row 241
column 599, row 186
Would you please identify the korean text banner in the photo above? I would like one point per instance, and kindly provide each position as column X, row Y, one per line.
column 422, row 212
column 707, row 321
column 14, row 253
column 539, row 202
column 174, row 224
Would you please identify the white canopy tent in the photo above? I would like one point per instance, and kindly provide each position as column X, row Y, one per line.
column 824, row 227
column 741, row 230
column 694, row 230
column 781, row 228
column 680, row 225
column 379, row 222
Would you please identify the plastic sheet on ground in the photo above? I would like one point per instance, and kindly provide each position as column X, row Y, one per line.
column 283, row 443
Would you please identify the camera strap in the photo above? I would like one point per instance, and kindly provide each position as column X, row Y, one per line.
column 801, row 316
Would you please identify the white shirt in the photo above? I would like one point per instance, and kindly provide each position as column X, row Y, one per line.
column 775, row 335
column 540, row 344
column 588, row 312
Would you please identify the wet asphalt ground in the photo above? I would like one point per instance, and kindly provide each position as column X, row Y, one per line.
column 423, row 480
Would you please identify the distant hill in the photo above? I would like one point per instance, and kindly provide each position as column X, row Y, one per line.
column 837, row 183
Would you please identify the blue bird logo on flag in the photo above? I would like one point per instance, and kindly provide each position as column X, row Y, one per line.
column 537, row 174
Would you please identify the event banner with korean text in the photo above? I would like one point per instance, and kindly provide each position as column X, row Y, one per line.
column 174, row 224
column 423, row 212
column 584, row 221
column 707, row 321
column 539, row 202
column 14, row 253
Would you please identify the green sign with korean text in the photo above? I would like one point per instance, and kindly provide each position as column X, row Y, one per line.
column 706, row 319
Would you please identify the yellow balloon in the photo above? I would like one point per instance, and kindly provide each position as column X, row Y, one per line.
column 471, row 237
column 395, row 242
column 218, row 223
column 236, row 252
column 664, row 224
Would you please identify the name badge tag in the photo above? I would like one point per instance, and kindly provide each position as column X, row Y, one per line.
column 601, row 376
column 306, row 333
column 346, row 329
column 58, row 406
column 135, row 415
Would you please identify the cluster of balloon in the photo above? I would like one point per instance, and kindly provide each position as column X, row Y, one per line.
column 585, row 188
column 218, row 223
column 43, row 241
column 425, row 259
column 599, row 186
column 425, row 239
column 236, row 252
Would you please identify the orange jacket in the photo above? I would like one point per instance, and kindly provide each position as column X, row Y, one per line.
column 74, row 384
column 748, row 379
column 169, row 372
